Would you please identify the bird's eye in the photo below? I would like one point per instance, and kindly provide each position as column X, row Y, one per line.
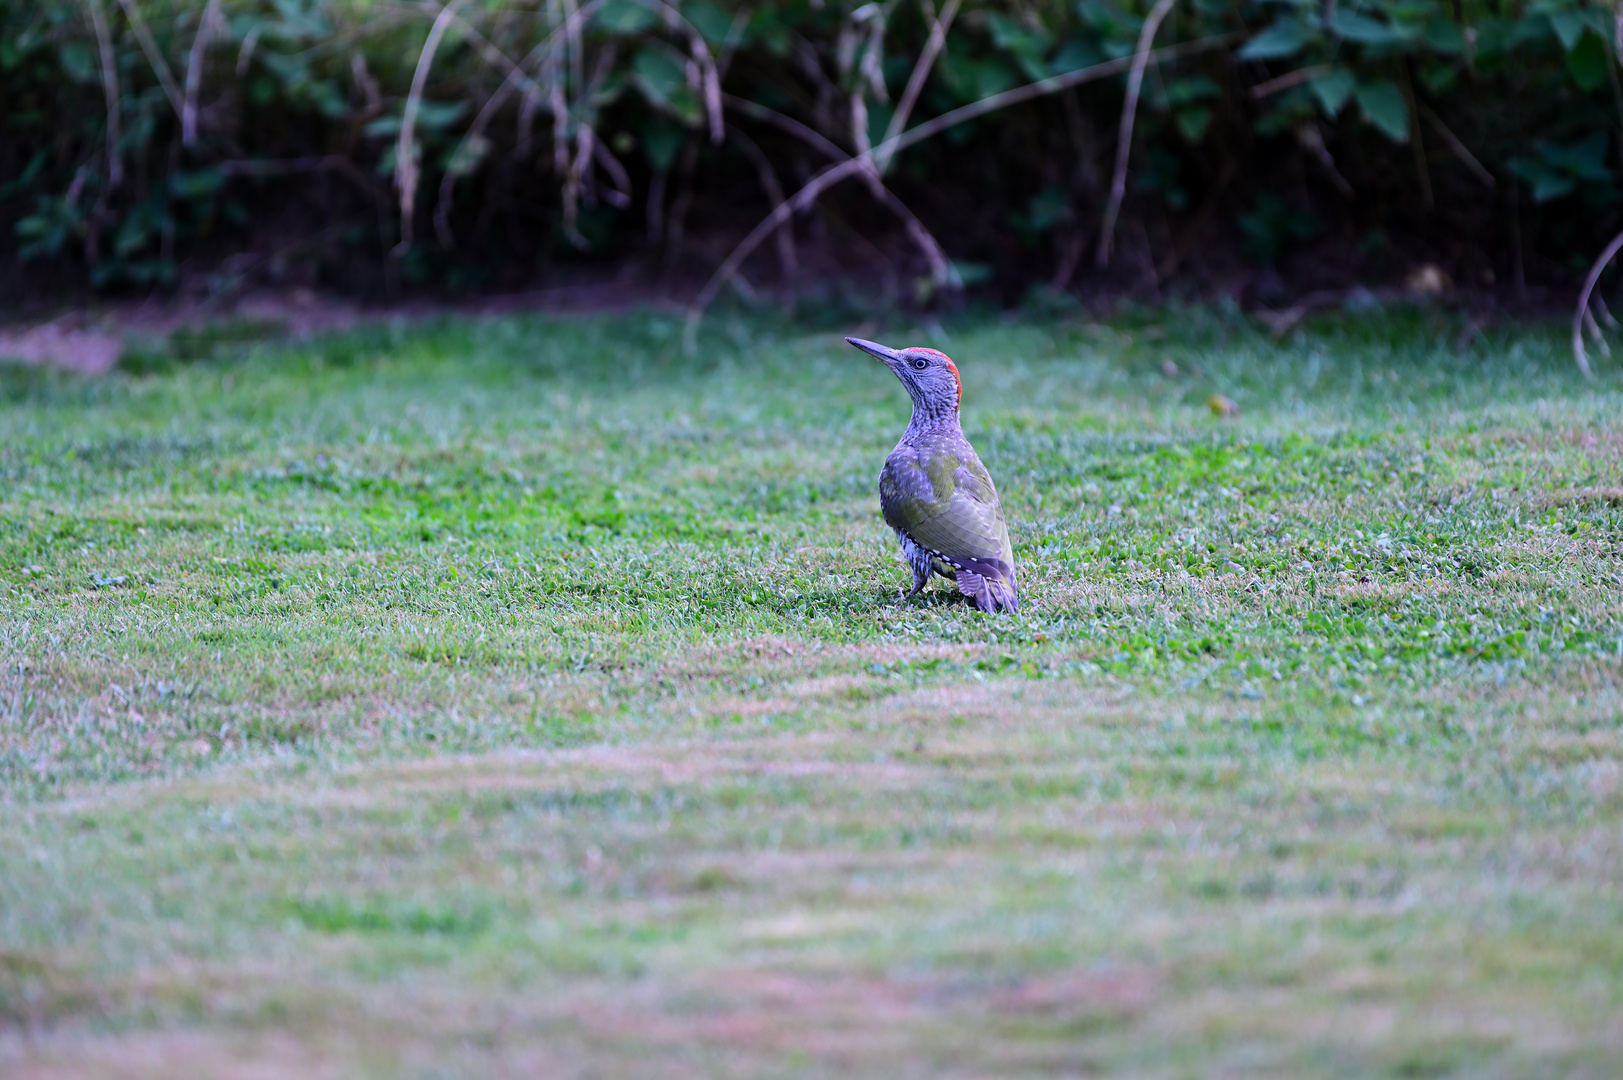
column 921, row 364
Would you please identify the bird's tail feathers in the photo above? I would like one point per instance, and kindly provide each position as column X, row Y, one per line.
column 990, row 585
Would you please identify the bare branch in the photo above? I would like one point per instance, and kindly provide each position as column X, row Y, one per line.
column 194, row 73
column 941, row 269
column 787, row 124
column 619, row 196
column 245, row 55
column 406, row 172
column 709, row 85
column 515, row 78
column 1595, row 334
column 576, row 48
column 160, row 66
column 1452, row 141
column 788, row 262
column 1311, row 139
column 1583, row 302
column 109, row 86
column 921, row 71
column 839, row 171
column 1124, row 139
column 1288, row 80
column 1599, row 303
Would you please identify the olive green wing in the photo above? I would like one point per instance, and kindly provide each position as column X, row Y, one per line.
column 946, row 503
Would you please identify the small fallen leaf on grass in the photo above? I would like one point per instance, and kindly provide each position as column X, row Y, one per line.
column 1222, row 406
column 108, row 581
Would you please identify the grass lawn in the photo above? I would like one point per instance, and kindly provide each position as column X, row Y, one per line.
column 517, row 698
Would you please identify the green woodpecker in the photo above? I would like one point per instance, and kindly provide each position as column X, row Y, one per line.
column 935, row 492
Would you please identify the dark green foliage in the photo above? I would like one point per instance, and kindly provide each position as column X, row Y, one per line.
column 1403, row 122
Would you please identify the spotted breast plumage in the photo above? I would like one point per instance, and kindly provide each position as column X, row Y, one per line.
column 934, row 491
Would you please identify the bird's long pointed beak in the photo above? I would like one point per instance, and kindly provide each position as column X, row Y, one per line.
column 874, row 349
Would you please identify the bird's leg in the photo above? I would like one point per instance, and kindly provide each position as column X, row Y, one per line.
column 918, row 560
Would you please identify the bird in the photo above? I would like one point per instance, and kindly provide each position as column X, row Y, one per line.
column 935, row 492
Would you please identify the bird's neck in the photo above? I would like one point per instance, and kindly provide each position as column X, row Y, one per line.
column 931, row 417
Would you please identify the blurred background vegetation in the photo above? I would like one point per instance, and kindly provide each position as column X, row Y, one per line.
column 376, row 148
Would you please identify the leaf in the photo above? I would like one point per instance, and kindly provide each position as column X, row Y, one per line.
column 624, row 17
column 1444, row 36
column 1075, row 55
column 439, row 115
column 1191, row 88
column 1026, row 44
column 1547, row 181
column 663, row 81
column 1193, row 122
column 467, row 156
column 1333, row 90
column 77, row 62
column 1351, row 26
column 973, row 79
column 1552, row 186
column 30, row 173
column 1439, row 76
column 972, row 273
column 1587, row 63
column 195, row 185
column 1118, row 27
column 1383, row 106
column 1287, row 37
column 1049, row 207
column 1568, row 27
column 771, row 33
column 660, row 142
column 1585, row 159
column 712, row 21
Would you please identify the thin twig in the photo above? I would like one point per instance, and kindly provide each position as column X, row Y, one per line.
column 160, row 66
column 194, row 73
column 1288, row 80
column 843, row 170
column 109, row 86
column 788, row 124
column 1124, row 138
column 245, row 55
column 1452, row 141
column 921, row 71
column 1418, row 144
column 576, row 48
column 406, row 172
column 515, row 78
column 498, row 59
column 709, row 85
column 619, row 196
column 788, row 262
column 942, row 272
column 1595, row 334
column 1310, row 138
column 1605, row 313
column 1583, row 303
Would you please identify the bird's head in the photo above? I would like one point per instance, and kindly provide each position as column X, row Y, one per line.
column 930, row 377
